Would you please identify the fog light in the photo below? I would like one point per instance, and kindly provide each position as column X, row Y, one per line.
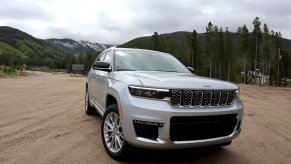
column 156, row 124
column 147, row 129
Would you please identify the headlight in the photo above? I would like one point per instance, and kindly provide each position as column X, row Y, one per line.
column 148, row 92
column 237, row 94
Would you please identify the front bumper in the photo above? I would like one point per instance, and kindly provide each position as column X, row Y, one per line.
column 160, row 111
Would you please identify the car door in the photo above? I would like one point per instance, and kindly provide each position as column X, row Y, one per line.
column 95, row 81
column 104, row 81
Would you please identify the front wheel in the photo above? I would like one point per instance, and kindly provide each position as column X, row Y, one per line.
column 112, row 134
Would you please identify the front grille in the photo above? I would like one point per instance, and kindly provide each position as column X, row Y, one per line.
column 201, row 127
column 202, row 98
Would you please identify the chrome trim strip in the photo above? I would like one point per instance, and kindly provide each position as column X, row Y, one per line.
column 200, row 104
column 211, row 97
column 205, row 140
column 163, row 141
column 191, row 98
column 202, row 95
column 219, row 98
column 180, row 97
column 234, row 97
column 225, row 100
column 145, row 88
column 208, row 104
column 96, row 107
column 227, row 97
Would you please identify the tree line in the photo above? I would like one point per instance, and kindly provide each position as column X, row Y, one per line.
column 246, row 56
column 84, row 59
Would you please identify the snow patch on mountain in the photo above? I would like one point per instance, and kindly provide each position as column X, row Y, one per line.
column 80, row 45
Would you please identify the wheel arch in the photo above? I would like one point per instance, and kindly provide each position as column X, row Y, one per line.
column 110, row 99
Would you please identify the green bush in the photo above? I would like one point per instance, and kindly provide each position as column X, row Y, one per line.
column 9, row 70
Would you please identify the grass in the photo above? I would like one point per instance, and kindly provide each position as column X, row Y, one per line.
column 7, row 74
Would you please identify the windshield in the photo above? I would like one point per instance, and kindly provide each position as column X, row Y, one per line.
column 136, row 60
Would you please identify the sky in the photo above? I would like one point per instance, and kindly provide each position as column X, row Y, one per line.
column 118, row 21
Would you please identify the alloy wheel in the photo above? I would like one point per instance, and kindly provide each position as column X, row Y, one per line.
column 113, row 134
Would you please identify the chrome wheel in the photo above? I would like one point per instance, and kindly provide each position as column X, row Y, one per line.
column 113, row 135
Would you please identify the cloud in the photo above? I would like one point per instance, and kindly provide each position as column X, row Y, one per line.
column 20, row 10
column 117, row 21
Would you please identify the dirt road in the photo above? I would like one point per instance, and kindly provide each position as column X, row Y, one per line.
column 42, row 121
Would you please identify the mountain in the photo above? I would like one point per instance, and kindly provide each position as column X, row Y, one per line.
column 18, row 47
column 81, row 46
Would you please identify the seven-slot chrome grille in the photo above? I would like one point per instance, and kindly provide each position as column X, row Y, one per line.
column 188, row 98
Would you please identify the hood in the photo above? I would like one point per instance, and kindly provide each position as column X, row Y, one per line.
column 174, row 80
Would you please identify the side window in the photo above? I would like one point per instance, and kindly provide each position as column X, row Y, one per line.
column 98, row 57
column 107, row 57
column 101, row 58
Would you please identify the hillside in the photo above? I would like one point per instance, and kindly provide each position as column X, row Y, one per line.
column 81, row 46
column 17, row 47
column 171, row 43
column 223, row 59
column 180, row 36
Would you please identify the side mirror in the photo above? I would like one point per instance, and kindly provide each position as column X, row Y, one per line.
column 190, row 69
column 102, row 66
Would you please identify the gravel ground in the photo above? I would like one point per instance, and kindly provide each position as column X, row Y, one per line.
column 42, row 121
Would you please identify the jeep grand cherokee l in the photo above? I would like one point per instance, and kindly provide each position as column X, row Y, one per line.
column 149, row 99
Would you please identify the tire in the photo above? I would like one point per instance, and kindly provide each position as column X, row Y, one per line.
column 89, row 110
column 112, row 134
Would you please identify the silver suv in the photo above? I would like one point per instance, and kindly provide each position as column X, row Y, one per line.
column 149, row 99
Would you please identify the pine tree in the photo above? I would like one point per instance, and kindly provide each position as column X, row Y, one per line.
column 209, row 45
column 266, row 49
column 194, row 51
column 215, row 53
column 228, row 51
column 243, row 45
column 80, row 59
column 257, row 37
column 221, row 51
column 276, row 44
column 155, row 41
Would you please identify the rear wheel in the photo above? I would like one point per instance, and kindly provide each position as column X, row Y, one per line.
column 112, row 134
column 89, row 110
